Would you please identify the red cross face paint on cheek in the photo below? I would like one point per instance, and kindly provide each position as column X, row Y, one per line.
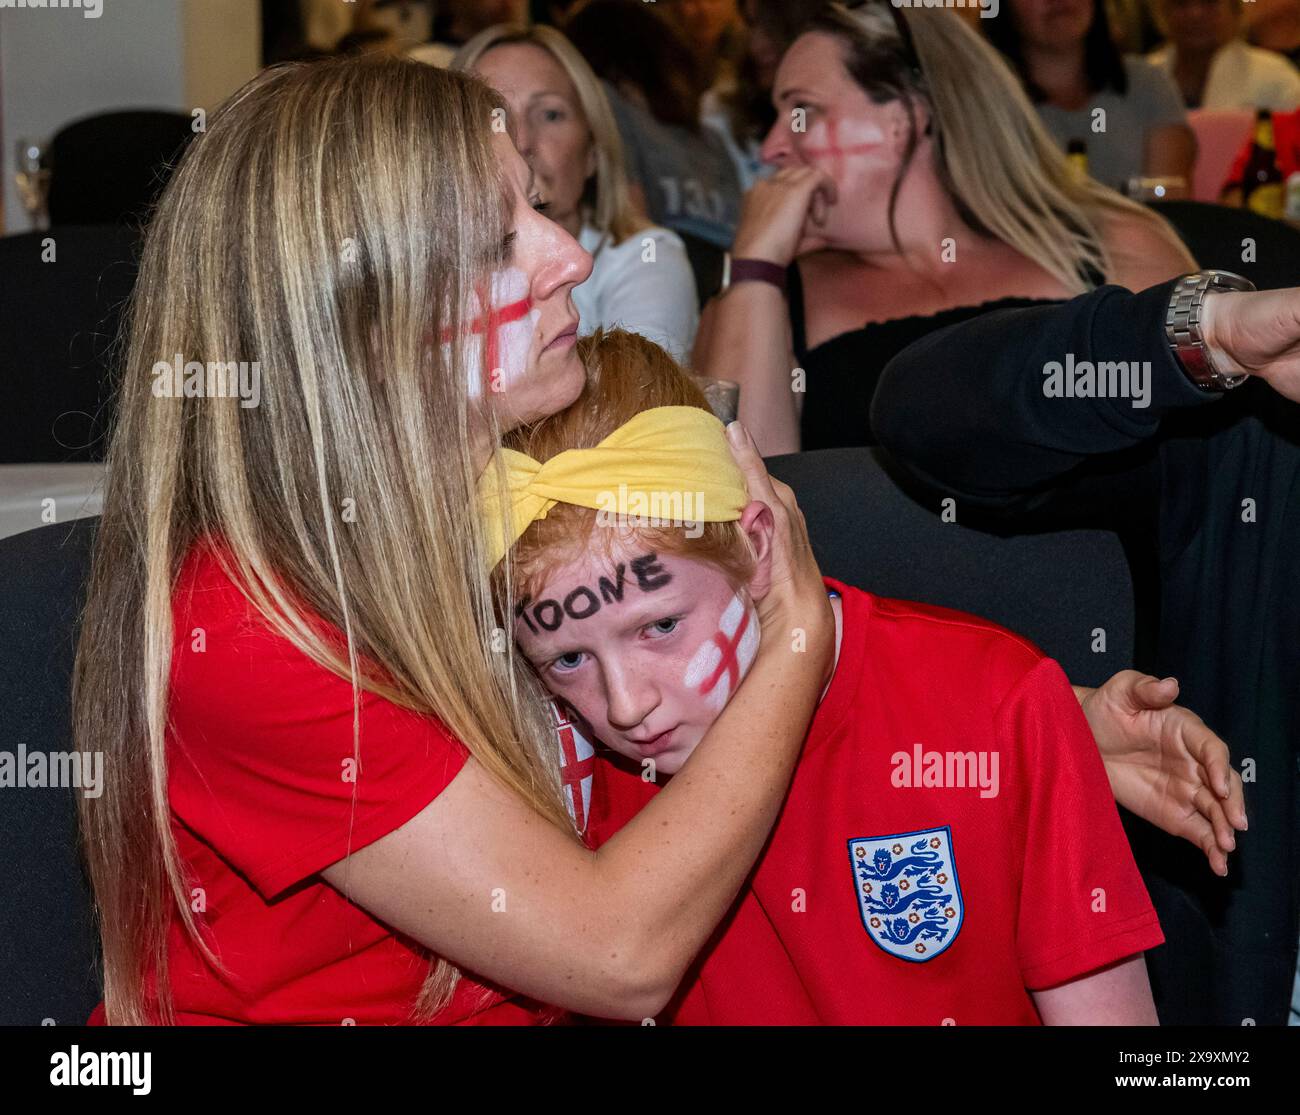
column 831, row 143
column 716, row 669
column 499, row 334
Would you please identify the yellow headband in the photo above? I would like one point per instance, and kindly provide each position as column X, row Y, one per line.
column 668, row 457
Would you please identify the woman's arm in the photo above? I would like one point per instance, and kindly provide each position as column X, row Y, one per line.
column 748, row 328
column 969, row 409
column 481, row 879
column 1119, row 995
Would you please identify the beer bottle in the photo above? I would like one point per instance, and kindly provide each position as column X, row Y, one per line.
column 1076, row 154
column 1262, row 186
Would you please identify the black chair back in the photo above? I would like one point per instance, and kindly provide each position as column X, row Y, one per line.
column 109, row 168
column 1217, row 236
column 58, row 324
column 706, row 264
column 1056, row 589
column 49, row 951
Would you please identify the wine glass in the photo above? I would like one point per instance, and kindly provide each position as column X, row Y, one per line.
column 32, row 178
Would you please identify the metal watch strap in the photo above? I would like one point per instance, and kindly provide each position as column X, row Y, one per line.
column 751, row 271
column 1183, row 327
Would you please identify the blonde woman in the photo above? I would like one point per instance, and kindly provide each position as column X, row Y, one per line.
column 331, row 787
column 641, row 277
column 916, row 188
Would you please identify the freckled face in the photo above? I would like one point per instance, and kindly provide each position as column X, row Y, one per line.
column 847, row 135
column 650, row 671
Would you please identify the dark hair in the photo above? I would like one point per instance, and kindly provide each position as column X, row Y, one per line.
column 623, row 42
column 784, row 20
column 1103, row 63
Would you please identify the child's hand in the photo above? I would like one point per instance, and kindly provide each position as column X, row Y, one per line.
column 1164, row 764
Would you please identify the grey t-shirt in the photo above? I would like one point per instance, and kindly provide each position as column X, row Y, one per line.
column 689, row 180
column 1116, row 154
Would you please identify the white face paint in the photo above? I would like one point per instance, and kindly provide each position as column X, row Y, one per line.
column 716, row 669
column 577, row 758
column 498, row 336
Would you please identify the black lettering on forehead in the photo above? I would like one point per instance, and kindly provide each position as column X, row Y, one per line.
column 584, row 601
column 609, row 592
column 650, row 574
column 581, row 603
column 549, row 614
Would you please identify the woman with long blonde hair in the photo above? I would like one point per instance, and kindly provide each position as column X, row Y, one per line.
column 641, row 278
column 330, row 785
column 916, row 188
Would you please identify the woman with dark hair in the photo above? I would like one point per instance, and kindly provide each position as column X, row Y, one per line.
column 1126, row 111
column 686, row 177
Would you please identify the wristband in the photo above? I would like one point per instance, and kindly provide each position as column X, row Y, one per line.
column 751, row 271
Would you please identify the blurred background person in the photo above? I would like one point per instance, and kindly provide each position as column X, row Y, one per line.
column 686, row 179
column 713, row 31
column 1133, row 26
column 1213, row 66
column 1071, row 67
column 740, row 109
column 1274, row 25
column 922, row 191
column 457, row 21
column 641, row 278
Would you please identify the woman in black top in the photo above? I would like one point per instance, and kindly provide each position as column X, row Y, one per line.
column 916, row 188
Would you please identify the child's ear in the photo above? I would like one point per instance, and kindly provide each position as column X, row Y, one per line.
column 757, row 523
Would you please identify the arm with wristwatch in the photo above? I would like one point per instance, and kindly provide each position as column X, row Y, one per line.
column 966, row 408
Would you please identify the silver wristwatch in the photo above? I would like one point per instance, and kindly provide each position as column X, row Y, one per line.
column 1183, row 327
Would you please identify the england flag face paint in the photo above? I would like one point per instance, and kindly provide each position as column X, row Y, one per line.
column 717, row 667
column 498, row 334
column 831, row 143
column 646, row 647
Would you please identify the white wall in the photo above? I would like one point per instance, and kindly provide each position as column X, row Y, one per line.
column 56, row 66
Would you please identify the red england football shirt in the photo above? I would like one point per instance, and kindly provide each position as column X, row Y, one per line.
column 949, row 842
column 260, row 754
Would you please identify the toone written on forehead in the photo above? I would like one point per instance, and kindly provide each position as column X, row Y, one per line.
column 646, row 573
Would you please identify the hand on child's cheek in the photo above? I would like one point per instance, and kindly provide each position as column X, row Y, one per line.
column 647, row 648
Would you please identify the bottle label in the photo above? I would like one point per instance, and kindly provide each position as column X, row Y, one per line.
column 1267, row 200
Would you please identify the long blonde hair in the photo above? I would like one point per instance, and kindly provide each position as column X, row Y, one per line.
column 332, row 219
column 997, row 161
column 608, row 201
